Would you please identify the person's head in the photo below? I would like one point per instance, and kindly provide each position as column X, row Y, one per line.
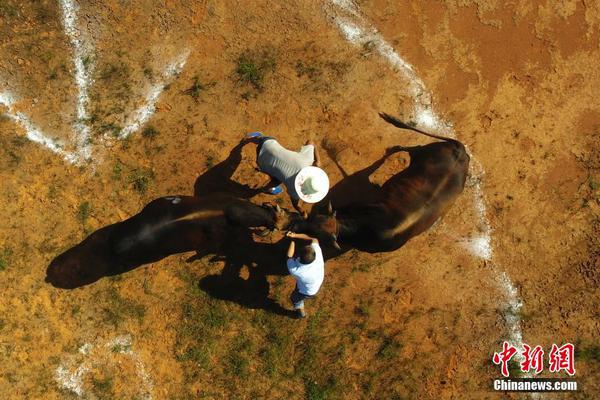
column 307, row 254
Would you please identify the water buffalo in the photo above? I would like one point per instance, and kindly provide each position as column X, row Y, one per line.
column 405, row 206
column 165, row 226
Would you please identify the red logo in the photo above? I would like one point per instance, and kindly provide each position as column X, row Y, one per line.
column 560, row 358
column 502, row 358
column 563, row 358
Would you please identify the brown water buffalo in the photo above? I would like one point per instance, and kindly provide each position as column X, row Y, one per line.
column 405, row 206
column 165, row 226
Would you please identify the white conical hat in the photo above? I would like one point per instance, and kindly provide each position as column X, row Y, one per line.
column 312, row 184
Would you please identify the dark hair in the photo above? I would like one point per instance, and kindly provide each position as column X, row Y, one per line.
column 307, row 255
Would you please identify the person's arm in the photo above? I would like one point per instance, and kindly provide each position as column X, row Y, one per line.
column 302, row 236
column 291, row 248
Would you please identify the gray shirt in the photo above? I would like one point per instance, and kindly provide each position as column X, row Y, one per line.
column 284, row 164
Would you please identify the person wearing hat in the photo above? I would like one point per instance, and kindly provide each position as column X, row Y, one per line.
column 308, row 269
column 298, row 171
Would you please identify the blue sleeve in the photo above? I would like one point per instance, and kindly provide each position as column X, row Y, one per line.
column 291, row 264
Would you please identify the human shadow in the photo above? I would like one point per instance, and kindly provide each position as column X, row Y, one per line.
column 261, row 260
column 217, row 179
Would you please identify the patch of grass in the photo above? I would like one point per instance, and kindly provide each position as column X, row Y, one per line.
column 150, row 132
column 117, row 170
column 140, row 179
column 113, row 72
column 275, row 355
column 591, row 353
column 103, row 387
column 311, row 71
column 83, row 212
column 19, row 141
column 211, row 160
column 148, row 73
column 202, row 318
column 120, row 309
column 121, row 348
column 389, row 349
column 321, row 391
column 8, row 10
column 52, row 191
column 5, row 256
column 252, row 68
column 197, row 88
column 363, row 308
column 238, row 356
column 86, row 61
column 111, row 128
column 362, row 267
column 44, row 14
column 514, row 369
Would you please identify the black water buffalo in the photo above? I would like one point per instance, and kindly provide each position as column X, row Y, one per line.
column 165, row 226
column 405, row 206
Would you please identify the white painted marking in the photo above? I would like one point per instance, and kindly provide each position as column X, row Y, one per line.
column 358, row 31
column 141, row 116
column 82, row 59
column 33, row 132
column 86, row 348
column 72, row 381
column 90, row 356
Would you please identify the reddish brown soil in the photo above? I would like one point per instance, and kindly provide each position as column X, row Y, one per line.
column 518, row 81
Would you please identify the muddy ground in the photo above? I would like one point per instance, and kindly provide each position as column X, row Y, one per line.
column 516, row 80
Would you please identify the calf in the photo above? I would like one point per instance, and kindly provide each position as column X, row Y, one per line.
column 167, row 225
column 405, row 206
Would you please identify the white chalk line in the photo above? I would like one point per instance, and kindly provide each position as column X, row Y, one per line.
column 140, row 117
column 82, row 59
column 358, row 31
column 32, row 132
column 70, row 376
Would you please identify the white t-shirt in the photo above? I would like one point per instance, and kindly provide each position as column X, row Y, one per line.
column 284, row 164
column 309, row 277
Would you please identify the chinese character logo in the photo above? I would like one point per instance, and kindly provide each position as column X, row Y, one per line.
column 532, row 359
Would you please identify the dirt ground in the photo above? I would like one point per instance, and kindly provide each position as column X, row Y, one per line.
column 516, row 80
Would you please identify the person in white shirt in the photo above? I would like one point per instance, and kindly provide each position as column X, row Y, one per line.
column 308, row 269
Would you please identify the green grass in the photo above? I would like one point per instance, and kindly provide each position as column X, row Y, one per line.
column 140, row 179
column 150, row 132
column 112, row 128
column 198, row 88
column 591, row 353
column 202, row 318
column 120, row 309
column 148, row 73
column 5, row 256
column 83, row 212
column 112, row 72
column 252, row 67
column 238, row 357
column 311, row 71
column 117, row 170
column 389, row 349
column 103, row 387
column 8, row 10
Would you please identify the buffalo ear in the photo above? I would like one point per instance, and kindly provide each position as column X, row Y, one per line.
column 329, row 208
